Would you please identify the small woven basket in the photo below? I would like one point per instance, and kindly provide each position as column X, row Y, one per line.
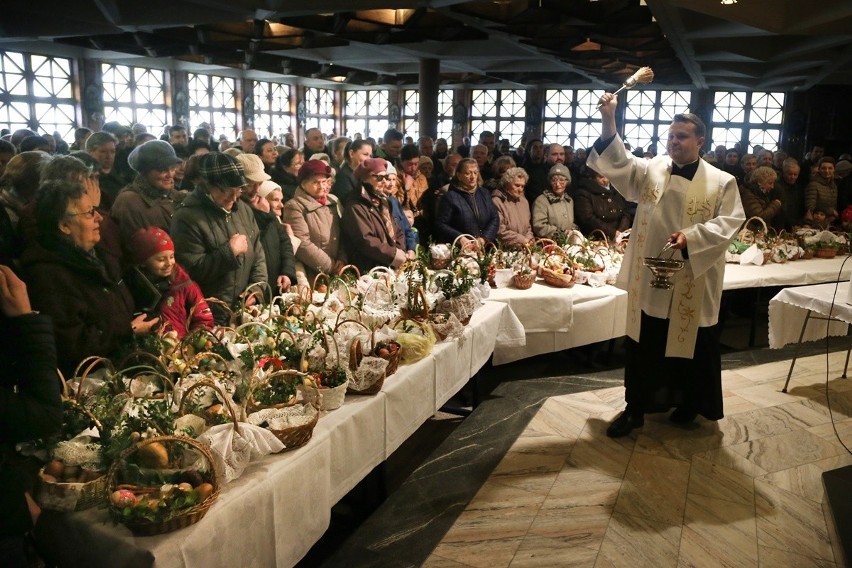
column 523, row 281
column 179, row 519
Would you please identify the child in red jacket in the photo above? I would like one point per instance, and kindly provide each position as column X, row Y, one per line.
column 161, row 287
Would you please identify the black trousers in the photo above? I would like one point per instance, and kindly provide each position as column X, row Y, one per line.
column 656, row 383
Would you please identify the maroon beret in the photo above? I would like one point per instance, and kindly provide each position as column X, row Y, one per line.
column 371, row 166
column 313, row 168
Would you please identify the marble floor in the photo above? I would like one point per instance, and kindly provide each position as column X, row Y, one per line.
column 744, row 491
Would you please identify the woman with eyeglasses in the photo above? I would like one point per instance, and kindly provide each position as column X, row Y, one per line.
column 70, row 278
column 216, row 237
column 314, row 215
column 553, row 210
column 467, row 207
column 371, row 232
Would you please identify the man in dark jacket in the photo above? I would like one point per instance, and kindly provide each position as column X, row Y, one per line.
column 216, row 237
column 30, row 408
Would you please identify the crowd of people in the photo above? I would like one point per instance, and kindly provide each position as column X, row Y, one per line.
column 123, row 233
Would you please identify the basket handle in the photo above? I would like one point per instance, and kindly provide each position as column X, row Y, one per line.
column 602, row 234
column 349, row 268
column 215, row 387
column 224, row 305
column 167, row 382
column 90, row 363
column 143, row 355
column 372, row 332
column 464, row 246
column 261, row 288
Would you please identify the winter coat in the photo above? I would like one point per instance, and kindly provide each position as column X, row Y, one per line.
column 793, row 202
column 411, row 236
column 602, row 208
column 90, row 304
column 286, row 180
column 201, row 231
column 459, row 213
column 346, row 184
column 30, row 408
column 180, row 296
column 318, row 227
column 277, row 248
column 552, row 214
column 819, row 194
column 141, row 205
column 767, row 206
column 367, row 241
column 515, row 228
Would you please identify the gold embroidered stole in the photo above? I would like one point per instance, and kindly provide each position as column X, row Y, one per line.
column 688, row 293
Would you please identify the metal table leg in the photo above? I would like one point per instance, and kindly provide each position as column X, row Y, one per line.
column 796, row 351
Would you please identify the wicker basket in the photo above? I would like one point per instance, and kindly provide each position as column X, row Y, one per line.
column 295, row 436
column 179, row 519
column 826, row 252
column 557, row 279
column 523, row 281
column 67, row 497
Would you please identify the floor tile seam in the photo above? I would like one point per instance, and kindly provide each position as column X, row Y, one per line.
column 532, row 522
column 818, row 560
column 751, row 478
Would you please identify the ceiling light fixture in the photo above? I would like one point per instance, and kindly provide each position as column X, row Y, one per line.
column 587, row 45
column 728, row 2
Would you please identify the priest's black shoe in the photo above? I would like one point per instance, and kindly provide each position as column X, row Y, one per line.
column 683, row 416
column 624, row 424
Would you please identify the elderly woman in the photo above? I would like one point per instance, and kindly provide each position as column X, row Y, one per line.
column 761, row 199
column 287, row 167
column 345, row 183
column 466, row 208
column 598, row 206
column 71, row 279
column 553, row 210
column 314, row 216
column 514, row 209
column 372, row 235
column 821, row 191
column 216, row 237
column 151, row 199
column 499, row 168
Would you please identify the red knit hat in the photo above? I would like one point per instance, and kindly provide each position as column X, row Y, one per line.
column 147, row 242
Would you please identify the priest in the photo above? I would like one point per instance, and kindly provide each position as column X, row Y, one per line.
column 673, row 358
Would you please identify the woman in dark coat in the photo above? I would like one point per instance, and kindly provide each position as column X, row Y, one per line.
column 371, row 235
column 345, row 183
column 466, row 208
column 597, row 205
column 30, row 408
column 287, row 167
column 71, row 279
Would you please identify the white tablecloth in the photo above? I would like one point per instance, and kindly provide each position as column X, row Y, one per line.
column 596, row 314
column 796, row 273
column 275, row 512
column 788, row 309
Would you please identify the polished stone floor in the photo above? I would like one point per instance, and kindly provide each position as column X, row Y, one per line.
column 744, row 491
column 530, row 479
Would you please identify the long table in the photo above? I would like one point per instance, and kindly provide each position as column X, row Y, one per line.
column 795, row 273
column 277, row 510
column 562, row 318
